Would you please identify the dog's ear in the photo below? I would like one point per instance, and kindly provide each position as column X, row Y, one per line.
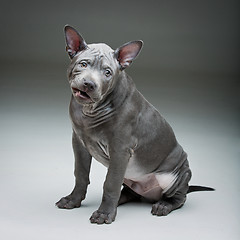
column 75, row 42
column 128, row 52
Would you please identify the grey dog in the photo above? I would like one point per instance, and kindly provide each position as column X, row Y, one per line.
column 113, row 123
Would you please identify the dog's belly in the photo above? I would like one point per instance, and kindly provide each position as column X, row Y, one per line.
column 149, row 185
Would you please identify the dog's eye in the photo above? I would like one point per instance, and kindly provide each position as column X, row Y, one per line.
column 83, row 64
column 108, row 73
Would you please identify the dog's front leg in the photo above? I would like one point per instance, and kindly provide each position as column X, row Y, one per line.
column 112, row 187
column 81, row 172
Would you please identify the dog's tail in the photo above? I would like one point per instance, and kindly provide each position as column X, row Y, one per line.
column 199, row 188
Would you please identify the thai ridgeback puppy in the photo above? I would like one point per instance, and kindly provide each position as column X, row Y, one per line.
column 114, row 123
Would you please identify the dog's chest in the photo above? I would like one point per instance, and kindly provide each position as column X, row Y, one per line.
column 99, row 150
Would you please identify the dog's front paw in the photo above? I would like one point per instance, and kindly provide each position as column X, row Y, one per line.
column 161, row 208
column 69, row 202
column 100, row 217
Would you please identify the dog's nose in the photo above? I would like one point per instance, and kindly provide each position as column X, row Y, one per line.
column 89, row 85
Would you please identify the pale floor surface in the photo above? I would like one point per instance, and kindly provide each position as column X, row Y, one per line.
column 36, row 170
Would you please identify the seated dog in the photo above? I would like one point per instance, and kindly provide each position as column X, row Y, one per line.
column 116, row 125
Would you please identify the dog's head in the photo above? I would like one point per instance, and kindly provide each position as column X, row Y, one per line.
column 95, row 68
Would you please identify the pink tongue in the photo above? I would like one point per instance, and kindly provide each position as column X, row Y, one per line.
column 78, row 94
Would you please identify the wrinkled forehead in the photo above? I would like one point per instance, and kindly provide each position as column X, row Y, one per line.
column 99, row 54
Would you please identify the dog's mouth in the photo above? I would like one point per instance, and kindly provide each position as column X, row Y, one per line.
column 80, row 94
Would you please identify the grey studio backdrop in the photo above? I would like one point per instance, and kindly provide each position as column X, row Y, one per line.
column 188, row 69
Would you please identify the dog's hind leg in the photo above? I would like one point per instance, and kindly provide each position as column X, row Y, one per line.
column 128, row 195
column 173, row 199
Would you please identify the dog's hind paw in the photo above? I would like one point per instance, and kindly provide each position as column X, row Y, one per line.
column 161, row 208
column 69, row 202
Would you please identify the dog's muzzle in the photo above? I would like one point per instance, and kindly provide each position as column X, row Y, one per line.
column 84, row 92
